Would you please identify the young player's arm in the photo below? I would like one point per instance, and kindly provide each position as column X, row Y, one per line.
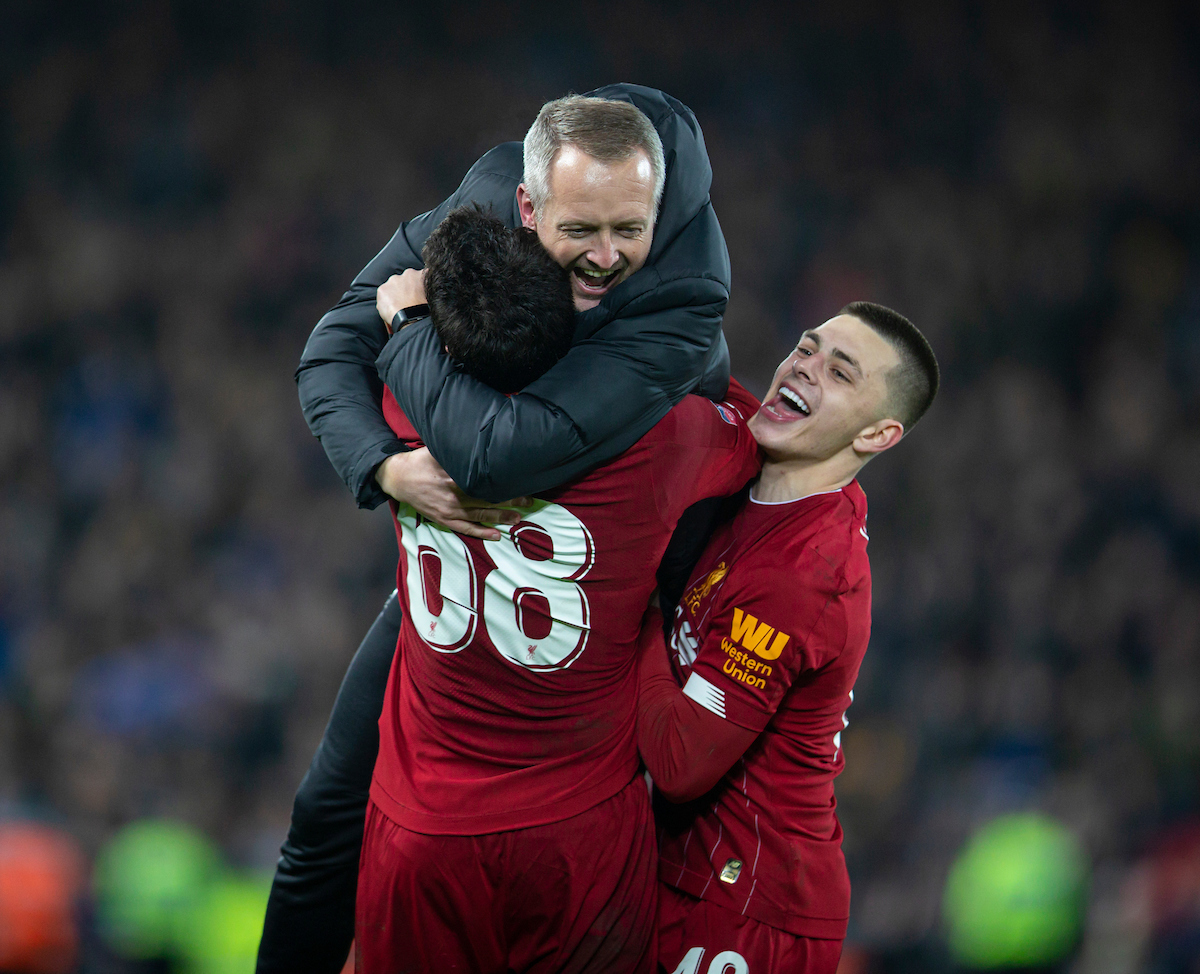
column 338, row 383
column 768, row 629
column 685, row 747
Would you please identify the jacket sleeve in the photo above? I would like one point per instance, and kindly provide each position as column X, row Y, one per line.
column 339, row 387
column 601, row 398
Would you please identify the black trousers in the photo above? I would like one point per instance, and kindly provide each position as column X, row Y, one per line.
column 310, row 914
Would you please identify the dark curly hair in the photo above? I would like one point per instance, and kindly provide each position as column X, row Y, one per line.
column 501, row 305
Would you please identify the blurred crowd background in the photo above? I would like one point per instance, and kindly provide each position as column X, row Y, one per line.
column 185, row 187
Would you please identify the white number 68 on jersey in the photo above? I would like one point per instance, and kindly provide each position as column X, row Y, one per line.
column 531, row 605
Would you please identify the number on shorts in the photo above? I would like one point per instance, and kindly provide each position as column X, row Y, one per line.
column 533, row 609
column 726, row 962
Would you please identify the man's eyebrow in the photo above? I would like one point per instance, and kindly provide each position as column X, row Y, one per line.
column 837, row 353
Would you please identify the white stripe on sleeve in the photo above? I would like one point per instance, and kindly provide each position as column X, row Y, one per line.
column 704, row 693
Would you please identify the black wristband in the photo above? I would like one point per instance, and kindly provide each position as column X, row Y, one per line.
column 406, row 316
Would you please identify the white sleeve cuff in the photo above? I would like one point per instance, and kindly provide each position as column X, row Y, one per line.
column 704, row 693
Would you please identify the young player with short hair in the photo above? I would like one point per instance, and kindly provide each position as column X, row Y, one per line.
column 742, row 725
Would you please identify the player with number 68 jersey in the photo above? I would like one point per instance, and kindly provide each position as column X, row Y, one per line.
column 509, row 828
column 509, row 722
column 512, row 701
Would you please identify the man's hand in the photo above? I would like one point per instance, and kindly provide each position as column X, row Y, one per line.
column 399, row 291
column 417, row 479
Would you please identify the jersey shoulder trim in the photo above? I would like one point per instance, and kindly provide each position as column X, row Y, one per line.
column 726, row 413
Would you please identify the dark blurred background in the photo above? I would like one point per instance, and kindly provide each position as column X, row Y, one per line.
column 185, row 187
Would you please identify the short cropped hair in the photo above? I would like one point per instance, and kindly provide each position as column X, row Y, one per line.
column 608, row 130
column 913, row 383
column 500, row 303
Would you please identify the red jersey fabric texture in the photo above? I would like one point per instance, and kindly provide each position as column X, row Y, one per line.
column 512, row 699
column 770, row 635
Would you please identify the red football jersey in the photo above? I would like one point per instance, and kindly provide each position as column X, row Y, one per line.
column 512, row 698
column 770, row 635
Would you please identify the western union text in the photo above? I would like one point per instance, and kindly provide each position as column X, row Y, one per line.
column 748, row 668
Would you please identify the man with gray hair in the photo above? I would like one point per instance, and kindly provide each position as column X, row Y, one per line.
column 605, row 159
column 604, row 129
column 642, row 341
column 567, row 134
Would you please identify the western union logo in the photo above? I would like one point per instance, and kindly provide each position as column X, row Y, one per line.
column 758, row 637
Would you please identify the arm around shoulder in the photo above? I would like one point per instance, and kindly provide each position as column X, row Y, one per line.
column 338, row 383
column 596, row 402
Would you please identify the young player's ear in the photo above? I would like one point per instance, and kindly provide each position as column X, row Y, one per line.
column 879, row 436
column 525, row 208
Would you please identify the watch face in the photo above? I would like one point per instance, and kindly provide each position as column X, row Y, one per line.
column 413, row 313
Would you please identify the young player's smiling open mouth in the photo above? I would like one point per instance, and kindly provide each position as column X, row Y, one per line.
column 786, row 405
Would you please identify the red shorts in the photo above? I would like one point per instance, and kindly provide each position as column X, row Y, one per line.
column 698, row 937
column 579, row 895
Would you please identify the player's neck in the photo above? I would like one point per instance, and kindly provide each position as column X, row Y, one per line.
column 789, row 480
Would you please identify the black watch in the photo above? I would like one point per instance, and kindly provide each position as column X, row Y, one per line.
column 406, row 316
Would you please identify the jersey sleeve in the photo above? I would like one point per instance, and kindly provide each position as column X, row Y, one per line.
column 772, row 625
column 685, row 747
column 398, row 422
column 701, row 449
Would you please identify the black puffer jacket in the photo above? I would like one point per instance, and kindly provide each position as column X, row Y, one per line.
column 651, row 340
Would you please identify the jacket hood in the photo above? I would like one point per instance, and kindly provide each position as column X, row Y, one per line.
column 688, row 171
column 688, row 263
